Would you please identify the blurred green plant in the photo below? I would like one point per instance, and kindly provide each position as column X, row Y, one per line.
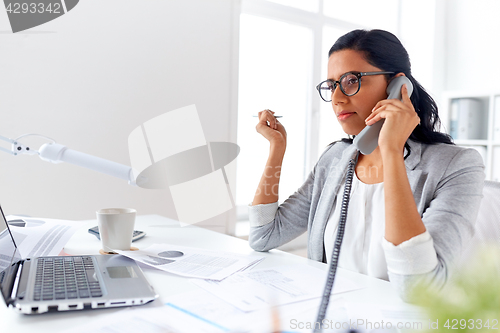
column 470, row 301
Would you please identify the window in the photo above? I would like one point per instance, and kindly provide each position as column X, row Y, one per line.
column 275, row 67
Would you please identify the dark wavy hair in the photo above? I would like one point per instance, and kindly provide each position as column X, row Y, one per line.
column 384, row 50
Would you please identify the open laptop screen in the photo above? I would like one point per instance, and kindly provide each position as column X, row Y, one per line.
column 9, row 256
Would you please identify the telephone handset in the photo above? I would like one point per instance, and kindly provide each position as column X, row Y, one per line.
column 367, row 140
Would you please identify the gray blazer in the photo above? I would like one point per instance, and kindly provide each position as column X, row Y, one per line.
column 446, row 181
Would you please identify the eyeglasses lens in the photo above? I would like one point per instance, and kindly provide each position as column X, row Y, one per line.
column 349, row 84
column 326, row 90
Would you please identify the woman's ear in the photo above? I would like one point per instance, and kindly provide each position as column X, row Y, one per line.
column 397, row 75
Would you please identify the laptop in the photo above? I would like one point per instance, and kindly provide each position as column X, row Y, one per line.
column 65, row 283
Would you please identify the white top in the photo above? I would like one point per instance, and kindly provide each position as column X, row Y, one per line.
column 364, row 248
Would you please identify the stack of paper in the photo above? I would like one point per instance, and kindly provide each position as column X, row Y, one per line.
column 37, row 237
column 193, row 262
column 257, row 289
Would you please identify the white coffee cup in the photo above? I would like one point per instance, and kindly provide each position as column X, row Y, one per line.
column 116, row 226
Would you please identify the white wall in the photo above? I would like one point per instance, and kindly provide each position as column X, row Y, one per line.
column 473, row 47
column 88, row 78
column 450, row 43
column 420, row 39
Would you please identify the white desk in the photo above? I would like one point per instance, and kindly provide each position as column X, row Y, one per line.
column 163, row 230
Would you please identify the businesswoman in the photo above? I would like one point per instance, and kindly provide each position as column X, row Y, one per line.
column 413, row 201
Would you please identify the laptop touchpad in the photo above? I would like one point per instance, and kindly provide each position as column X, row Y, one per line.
column 121, row 272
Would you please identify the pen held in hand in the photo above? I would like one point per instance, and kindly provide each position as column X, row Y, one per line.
column 274, row 116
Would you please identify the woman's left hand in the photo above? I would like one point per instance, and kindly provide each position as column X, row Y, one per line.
column 400, row 121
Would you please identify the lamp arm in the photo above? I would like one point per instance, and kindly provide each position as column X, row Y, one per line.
column 9, row 141
column 56, row 153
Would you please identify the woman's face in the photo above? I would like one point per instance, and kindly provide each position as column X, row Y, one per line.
column 351, row 111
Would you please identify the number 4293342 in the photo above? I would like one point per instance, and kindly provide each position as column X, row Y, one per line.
column 33, row 7
column 455, row 324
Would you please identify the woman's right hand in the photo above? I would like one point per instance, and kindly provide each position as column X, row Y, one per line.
column 274, row 132
column 270, row 128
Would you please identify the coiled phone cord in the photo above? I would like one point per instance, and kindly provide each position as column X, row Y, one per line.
column 332, row 270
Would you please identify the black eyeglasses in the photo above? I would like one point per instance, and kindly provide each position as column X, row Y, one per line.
column 350, row 83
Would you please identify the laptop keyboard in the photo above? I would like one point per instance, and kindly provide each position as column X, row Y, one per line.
column 60, row 278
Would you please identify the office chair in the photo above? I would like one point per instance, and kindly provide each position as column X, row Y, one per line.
column 487, row 227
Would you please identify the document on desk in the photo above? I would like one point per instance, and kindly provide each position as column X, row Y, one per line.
column 42, row 236
column 198, row 311
column 162, row 319
column 193, row 262
column 251, row 290
column 201, row 305
column 204, row 306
